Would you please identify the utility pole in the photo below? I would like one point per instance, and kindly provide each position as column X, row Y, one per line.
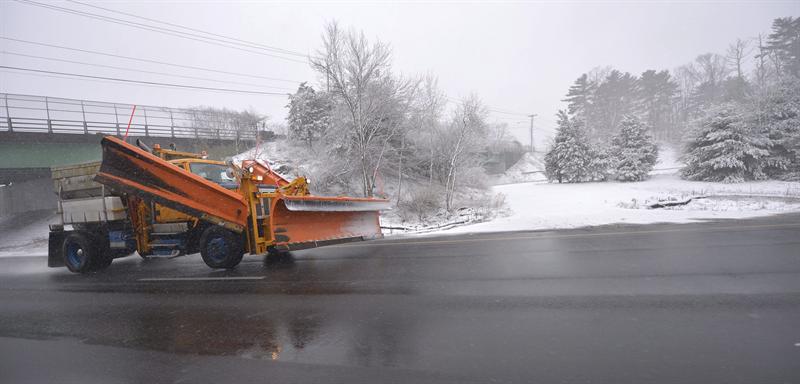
column 532, row 116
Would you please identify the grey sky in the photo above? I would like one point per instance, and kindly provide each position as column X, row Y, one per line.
column 516, row 56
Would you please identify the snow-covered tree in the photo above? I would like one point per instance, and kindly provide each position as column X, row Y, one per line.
column 580, row 95
column 615, row 97
column 309, row 114
column 779, row 119
column 458, row 141
column 723, row 147
column 600, row 163
column 784, row 45
column 633, row 151
column 373, row 102
column 569, row 157
column 657, row 95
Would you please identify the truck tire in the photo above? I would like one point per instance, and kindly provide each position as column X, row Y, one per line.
column 221, row 248
column 80, row 252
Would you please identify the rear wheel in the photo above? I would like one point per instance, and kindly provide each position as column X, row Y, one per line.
column 79, row 252
column 220, row 247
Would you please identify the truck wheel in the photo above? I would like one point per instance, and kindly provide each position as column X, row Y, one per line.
column 220, row 248
column 79, row 253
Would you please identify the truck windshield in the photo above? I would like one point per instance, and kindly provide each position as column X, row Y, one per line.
column 215, row 172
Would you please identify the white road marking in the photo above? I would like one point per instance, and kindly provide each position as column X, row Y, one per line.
column 797, row 344
column 222, row 278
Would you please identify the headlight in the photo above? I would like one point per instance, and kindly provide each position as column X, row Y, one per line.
column 250, row 169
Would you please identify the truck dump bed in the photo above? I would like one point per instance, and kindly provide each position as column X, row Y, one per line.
column 81, row 199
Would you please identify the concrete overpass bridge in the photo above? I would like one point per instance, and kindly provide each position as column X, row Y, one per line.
column 37, row 132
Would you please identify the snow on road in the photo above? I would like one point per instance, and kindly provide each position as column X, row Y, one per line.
column 542, row 205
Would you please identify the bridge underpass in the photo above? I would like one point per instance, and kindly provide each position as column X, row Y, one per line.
column 38, row 132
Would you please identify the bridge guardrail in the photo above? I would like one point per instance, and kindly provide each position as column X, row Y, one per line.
column 43, row 114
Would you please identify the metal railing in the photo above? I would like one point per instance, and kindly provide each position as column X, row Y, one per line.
column 43, row 114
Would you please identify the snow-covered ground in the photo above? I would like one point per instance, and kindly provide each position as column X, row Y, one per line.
column 529, row 168
column 542, row 205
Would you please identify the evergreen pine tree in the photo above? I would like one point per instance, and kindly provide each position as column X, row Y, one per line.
column 657, row 93
column 579, row 96
column 633, row 151
column 309, row 114
column 723, row 148
column 569, row 158
column 779, row 119
column 615, row 98
column 784, row 42
column 600, row 163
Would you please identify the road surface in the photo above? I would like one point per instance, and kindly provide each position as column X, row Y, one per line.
column 691, row 303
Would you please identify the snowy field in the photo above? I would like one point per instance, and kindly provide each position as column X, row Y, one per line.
column 542, row 205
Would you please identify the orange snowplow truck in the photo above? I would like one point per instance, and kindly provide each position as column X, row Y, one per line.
column 164, row 202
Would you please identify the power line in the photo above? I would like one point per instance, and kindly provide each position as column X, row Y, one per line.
column 250, row 43
column 79, row 79
column 149, row 60
column 212, row 70
column 141, row 71
column 236, row 44
column 152, row 28
column 144, row 82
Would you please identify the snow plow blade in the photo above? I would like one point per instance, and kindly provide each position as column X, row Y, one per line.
column 129, row 169
column 301, row 222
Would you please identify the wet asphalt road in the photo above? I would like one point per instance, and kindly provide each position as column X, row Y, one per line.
column 693, row 303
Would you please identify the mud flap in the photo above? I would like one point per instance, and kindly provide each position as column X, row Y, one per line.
column 55, row 241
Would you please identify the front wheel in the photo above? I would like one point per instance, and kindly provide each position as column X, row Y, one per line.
column 221, row 248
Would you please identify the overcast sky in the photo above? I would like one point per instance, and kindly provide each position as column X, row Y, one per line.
column 517, row 57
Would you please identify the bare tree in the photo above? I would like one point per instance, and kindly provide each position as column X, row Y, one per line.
column 712, row 68
column 461, row 141
column 429, row 105
column 761, row 70
column 358, row 73
column 737, row 52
